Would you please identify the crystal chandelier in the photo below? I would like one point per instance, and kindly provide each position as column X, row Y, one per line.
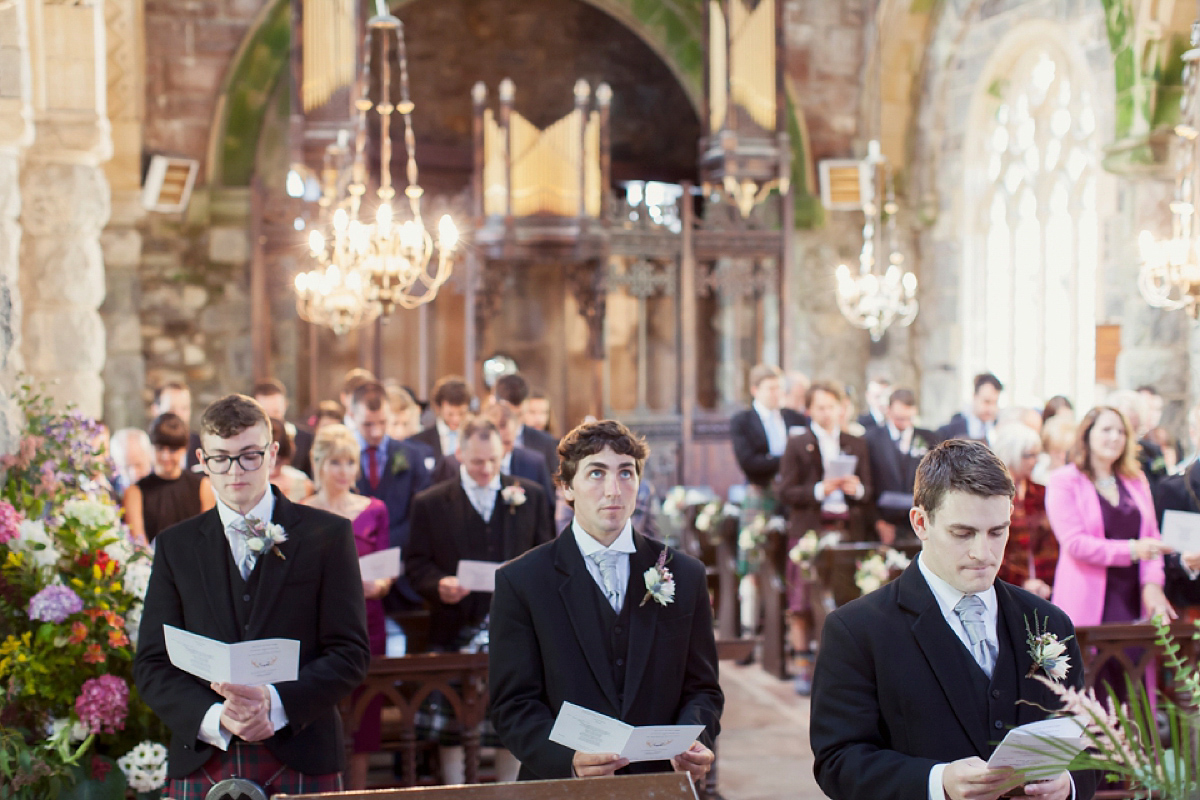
column 871, row 300
column 388, row 262
column 1170, row 273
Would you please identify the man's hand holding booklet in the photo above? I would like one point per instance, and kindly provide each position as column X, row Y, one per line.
column 587, row 731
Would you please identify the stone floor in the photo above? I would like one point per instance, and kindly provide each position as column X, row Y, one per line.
column 763, row 752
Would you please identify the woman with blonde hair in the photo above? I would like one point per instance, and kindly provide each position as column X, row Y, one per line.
column 335, row 460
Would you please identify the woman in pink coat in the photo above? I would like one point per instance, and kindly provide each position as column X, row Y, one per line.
column 1110, row 565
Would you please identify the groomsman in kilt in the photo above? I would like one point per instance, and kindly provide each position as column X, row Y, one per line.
column 255, row 567
column 575, row 621
column 480, row 515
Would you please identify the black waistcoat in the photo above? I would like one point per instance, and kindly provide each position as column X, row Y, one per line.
column 616, row 639
column 995, row 697
column 242, row 592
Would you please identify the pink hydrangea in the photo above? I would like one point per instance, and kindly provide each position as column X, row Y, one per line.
column 10, row 522
column 103, row 704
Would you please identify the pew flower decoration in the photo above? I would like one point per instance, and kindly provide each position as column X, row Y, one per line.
column 752, row 539
column 262, row 537
column 514, row 496
column 709, row 514
column 660, row 583
column 680, row 498
column 145, row 767
column 1049, row 654
column 879, row 568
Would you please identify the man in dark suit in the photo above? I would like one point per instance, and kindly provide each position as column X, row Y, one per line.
column 392, row 471
column 760, row 433
column 480, row 516
column 916, row 682
column 271, row 394
column 896, row 447
column 879, row 389
column 572, row 621
column 452, row 403
column 980, row 421
column 514, row 390
column 209, row 579
column 1182, row 493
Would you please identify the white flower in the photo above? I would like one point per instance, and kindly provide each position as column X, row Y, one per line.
column 120, row 549
column 660, row 588
column 35, row 540
column 513, row 495
column 133, row 620
column 830, row 539
column 276, row 533
column 778, row 524
column 255, row 545
column 79, row 731
column 91, row 513
column 895, row 559
column 137, row 578
column 145, row 767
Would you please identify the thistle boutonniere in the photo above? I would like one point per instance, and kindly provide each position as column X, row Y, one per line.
column 660, row 583
column 513, row 496
column 262, row 537
column 1049, row 654
column 398, row 464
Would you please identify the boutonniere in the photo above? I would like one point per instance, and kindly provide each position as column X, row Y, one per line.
column 918, row 448
column 398, row 464
column 1049, row 654
column 660, row 583
column 514, row 496
column 262, row 537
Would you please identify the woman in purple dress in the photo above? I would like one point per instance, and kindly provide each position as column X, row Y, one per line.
column 335, row 459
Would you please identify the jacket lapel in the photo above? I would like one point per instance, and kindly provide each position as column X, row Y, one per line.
column 212, row 556
column 940, row 645
column 643, row 617
column 577, row 590
column 273, row 571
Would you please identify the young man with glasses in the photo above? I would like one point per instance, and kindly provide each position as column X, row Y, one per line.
column 255, row 567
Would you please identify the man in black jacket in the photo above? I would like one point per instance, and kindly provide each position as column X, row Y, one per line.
column 760, row 433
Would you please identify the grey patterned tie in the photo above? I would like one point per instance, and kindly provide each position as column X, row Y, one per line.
column 246, row 565
column 970, row 610
column 607, row 561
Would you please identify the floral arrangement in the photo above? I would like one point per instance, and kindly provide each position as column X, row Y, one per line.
column 262, row 537
column 72, row 584
column 804, row 554
column 680, row 498
column 660, row 583
column 1048, row 652
column 882, row 566
column 753, row 537
column 513, row 496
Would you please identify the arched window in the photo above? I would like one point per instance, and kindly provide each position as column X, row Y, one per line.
column 1032, row 250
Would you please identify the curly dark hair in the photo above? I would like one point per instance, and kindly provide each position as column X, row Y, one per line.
column 231, row 415
column 592, row 437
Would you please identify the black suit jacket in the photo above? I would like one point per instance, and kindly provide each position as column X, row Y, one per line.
column 541, row 442
column 1179, row 493
column 802, row 468
column 403, row 476
column 439, row 541
column 525, row 463
column 546, row 650
column 430, row 438
column 313, row 594
column 893, row 471
column 750, row 445
column 302, row 450
column 893, row 694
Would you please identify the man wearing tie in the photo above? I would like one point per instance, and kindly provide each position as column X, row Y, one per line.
column 760, row 433
column 896, row 447
column 573, row 621
column 980, row 421
column 917, row 682
column 254, row 567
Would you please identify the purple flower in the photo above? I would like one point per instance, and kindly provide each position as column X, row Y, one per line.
column 10, row 522
column 103, row 704
column 54, row 604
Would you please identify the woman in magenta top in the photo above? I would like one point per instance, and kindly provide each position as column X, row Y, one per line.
column 335, row 459
column 1110, row 566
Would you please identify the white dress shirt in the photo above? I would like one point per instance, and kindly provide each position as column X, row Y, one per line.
column 483, row 498
column 903, row 439
column 830, row 444
column 211, row 729
column 622, row 544
column 447, row 437
column 773, row 424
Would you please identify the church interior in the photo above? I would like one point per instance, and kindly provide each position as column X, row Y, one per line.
column 632, row 203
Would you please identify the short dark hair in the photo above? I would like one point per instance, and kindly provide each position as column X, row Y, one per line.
column 905, row 397
column 960, row 465
column 371, row 394
column 478, row 428
column 331, row 409
column 987, row 379
column 592, row 437
column 232, row 414
column 269, row 387
column 169, row 430
column 279, row 434
column 356, row 378
column 500, row 414
column 451, row 389
column 828, row 387
column 512, row 389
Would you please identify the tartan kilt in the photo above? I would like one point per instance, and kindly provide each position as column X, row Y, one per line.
column 435, row 722
column 253, row 762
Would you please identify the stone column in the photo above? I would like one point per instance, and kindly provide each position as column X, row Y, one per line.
column 66, row 203
column 15, row 133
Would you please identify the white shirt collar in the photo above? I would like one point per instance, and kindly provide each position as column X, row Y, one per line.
column 588, row 545
column 947, row 596
column 821, row 433
column 765, row 412
column 506, row 464
column 471, row 486
column 262, row 511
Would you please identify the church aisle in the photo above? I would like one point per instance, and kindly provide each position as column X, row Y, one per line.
column 763, row 751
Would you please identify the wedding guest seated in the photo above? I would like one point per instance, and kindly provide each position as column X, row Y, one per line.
column 1032, row 551
column 896, row 448
column 1110, row 566
column 271, row 394
column 294, row 484
column 132, row 455
column 978, row 422
column 170, row 493
column 336, row 455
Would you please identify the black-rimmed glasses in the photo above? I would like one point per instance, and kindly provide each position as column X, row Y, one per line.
column 249, row 461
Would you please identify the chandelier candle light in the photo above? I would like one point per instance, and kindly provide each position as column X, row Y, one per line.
column 869, row 300
column 384, row 263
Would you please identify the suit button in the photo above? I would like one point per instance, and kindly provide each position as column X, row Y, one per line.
column 995, row 692
column 620, row 662
column 246, row 626
column 617, row 630
column 246, row 597
column 999, row 724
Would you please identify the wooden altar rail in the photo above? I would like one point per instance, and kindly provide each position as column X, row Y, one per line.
column 662, row 786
